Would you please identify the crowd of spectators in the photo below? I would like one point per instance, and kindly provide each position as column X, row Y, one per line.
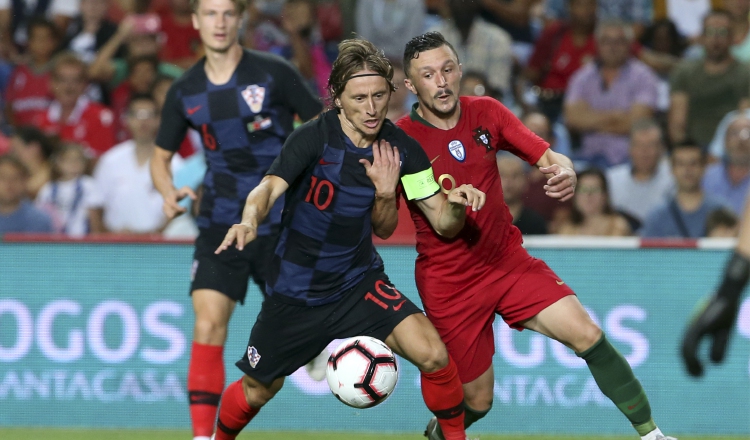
column 651, row 100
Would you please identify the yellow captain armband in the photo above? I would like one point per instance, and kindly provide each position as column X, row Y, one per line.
column 420, row 185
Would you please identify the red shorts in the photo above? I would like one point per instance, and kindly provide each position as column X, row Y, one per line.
column 465, row 321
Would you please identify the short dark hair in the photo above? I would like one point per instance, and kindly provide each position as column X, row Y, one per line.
column 721, row 217
column 135, row 97
column 355, row 55
column 689, row 144
column 39, row 21
column 241, row 5
column 718, row 13
column 153, row 60
column 29, row 134
column 68, row 58
column 14, row 161
column 423, row 43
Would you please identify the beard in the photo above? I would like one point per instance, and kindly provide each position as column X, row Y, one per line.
column 434, row 109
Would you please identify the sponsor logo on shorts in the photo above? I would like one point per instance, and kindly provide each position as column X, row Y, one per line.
column 397, row 307
column 253, row 356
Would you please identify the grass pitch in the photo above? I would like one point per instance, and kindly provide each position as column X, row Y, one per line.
column 127, row 434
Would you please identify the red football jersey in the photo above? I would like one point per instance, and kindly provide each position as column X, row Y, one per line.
column 90, row 124
column 27, row 92
column 462, row 155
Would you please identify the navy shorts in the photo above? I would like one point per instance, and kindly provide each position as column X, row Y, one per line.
column 286, row 336
column 229, row 272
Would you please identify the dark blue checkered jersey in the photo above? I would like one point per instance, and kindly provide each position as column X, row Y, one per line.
column 243, row 125
column 325, row 245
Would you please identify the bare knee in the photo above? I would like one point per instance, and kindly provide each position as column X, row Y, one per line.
column 588, row 335
column 209, row 330
column 479, row 399
column 258, row 394
column 433, row 357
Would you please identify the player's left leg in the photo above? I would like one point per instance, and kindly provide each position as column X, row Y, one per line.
column 416, row 340
column 568, row 322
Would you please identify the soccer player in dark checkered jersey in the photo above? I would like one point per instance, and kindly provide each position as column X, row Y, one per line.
column 243, row 104
column 462, row 136
column 326, row 280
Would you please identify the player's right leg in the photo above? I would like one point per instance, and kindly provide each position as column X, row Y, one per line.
column 416, row 340
column 241, row 401
column 285, row 337
column 206, row 374
column 378, row 310
column 218, row 282
column 468, row 336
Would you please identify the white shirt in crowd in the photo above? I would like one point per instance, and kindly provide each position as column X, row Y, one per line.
column 68, row 203
column 129, row 199
column 635, row 197
column 68, row 8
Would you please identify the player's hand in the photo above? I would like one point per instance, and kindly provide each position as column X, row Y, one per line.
column 126, row 27
column 171, row 206
column 715, row 320
column 562, row 185
column 467, row 195
column 241, row 233
column 385, row 169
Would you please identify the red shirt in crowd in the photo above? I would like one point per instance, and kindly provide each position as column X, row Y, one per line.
column 557, row 57
column 27, row 92
column 90, row 124
column 180, row 40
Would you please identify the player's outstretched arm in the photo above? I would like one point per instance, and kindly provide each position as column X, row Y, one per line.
column 257, row 206
column 161, row 175
column 561, row 178
column 717, row 316
column 384, row 171
column 448, row 214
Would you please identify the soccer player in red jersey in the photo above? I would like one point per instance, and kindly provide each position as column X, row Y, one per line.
column 461, row 137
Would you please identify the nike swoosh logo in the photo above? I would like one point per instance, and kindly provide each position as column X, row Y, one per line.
column 397, row 307
column 632, row 407
column 433, row 160
column 325, row 162
column 192, row 110
column 559, row 283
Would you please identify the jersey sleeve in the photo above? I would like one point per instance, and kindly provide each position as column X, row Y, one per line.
column 519, row 140
column 297, row 92
column 301, row 149
column 417, row 178
column 173, row 125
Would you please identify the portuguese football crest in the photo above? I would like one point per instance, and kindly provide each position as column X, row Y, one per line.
column 482, row 137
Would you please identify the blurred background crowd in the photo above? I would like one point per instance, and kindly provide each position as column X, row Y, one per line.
column 651, row 99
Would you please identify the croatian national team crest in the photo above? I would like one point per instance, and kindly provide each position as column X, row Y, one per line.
column 253, row 96
column 457, row 150
column 253, row 356
column 482, row 137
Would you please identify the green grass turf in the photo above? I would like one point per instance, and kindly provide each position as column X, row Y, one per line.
column 125, row 434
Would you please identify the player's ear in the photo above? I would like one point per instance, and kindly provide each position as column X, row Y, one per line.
column 337, row 102
column 410, row 86
column 194, row 18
